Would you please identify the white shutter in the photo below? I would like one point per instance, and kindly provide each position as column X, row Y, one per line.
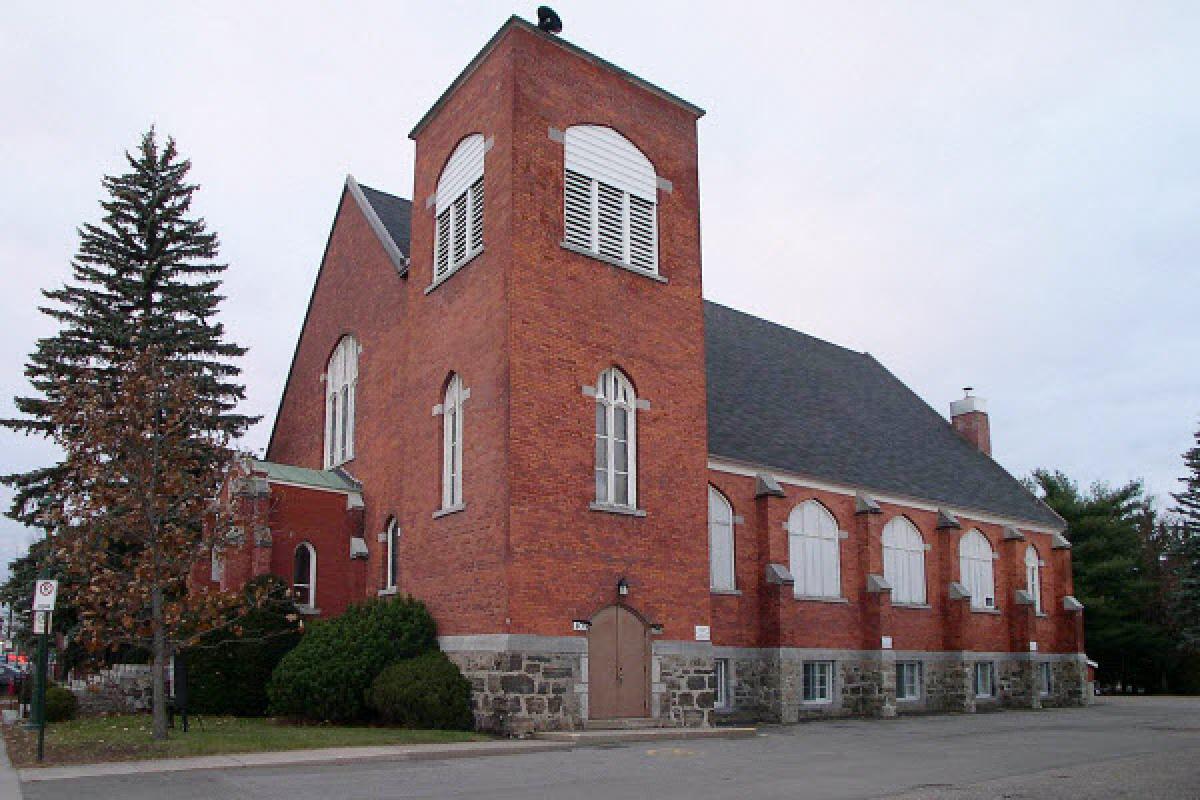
column 442, row 255
column 459, row 239
column 830, row 568
column 610, row 222
column 477, row 215
column 643, row 239
column 579, row 230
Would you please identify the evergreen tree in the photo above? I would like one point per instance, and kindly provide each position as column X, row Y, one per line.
column 1114, row 535
column 1185, row 556
column 143, row 277
column 139, row 389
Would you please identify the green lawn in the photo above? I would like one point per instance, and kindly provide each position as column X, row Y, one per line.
column 123, row 738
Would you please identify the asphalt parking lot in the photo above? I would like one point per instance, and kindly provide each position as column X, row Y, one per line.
column 1122, row 747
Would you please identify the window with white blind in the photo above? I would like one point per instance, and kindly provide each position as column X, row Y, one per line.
column 610, row 198
column 391, row 554
column 616, row 440
column 452, row 444
column 908, row 680
column 304, row 575
column 458, row 207
column 720, row 541
column 1045, row 678
column 985, row 679
column 814, row 546
column 904, row 561
column 818, row 682
column 341, row 379
column 723, row 699
column 976, row 569
column 1033, row 577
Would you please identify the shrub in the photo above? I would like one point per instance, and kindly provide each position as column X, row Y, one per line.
column 61, row 704
column 327, row 675
column 423, row 692
column 228, row 670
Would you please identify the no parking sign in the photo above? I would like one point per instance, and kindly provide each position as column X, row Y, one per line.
column 44, row 595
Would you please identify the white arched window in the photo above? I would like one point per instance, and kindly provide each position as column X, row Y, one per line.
column 610, row 197
column 975, row 568
column 904, row 561
column 452, row 444
column 616, row 440
column 391, row 552
column 813, row 546
column 341, row 378
column 458, row 206
column 720, row 541
column 304, row 575
column 1033, row 577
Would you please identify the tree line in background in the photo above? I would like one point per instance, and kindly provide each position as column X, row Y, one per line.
column 1137, row 573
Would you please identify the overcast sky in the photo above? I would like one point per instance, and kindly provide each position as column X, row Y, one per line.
column 1001, row 195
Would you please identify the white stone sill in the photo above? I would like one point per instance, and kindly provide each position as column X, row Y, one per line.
column 985, row 611
column 439, row 281
column 654, row 276
column 388, row 592
column 728, row 592
column 605, row 508
column 445, row 512
column 808, row 598
column 308, row 611
column 913, row 606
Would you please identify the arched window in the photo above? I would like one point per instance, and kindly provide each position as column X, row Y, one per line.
column 304, row 575
column 458, row 206
column 452, row 444
column 813, row 546
column 975, row 568
column 720, row 541
column 610, row 197
column 904, row 561
column 616, row 440
column 1033, row 577
column 341, row 378
column 391, row 553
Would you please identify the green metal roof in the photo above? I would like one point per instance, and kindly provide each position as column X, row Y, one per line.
column 331, row 479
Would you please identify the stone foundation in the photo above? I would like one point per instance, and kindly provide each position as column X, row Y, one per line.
column 526, row 683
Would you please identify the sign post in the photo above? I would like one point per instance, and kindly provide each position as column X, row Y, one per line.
column 45, row 592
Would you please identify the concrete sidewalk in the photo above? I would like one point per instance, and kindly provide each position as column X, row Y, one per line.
column 349, row 755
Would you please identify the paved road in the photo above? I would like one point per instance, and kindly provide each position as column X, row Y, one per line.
column 1146, row 748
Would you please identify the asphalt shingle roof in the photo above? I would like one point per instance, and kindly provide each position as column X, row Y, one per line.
column 783, row 399
column 395, row 213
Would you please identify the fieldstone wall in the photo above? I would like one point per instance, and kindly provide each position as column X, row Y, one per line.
column 1068, row 685
column 517, row 693
column 755, row 693
column 122, row 689
column 1016, row 682
column 949, row 686
column 868, row 687
column 689, row 689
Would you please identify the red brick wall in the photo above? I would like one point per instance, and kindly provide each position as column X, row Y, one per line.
column 762, row 539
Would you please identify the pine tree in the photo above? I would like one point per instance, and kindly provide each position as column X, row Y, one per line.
column 139, row 315
column 143, row 277
column 1185, row 600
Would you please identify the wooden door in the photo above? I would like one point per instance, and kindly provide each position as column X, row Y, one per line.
column 618, row 665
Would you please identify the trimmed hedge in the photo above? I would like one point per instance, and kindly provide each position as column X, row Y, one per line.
column 428, row 691
column 327, row 676
column 61, row 704
column 228, row 670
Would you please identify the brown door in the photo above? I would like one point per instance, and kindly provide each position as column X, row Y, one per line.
column 618, row 665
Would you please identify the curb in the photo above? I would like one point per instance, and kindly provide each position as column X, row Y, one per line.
column 335, row 755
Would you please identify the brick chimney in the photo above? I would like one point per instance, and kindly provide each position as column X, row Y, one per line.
column 969, row 417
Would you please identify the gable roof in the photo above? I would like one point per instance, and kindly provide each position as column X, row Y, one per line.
column 516, row 22
column 780, row 398
column 395, row 214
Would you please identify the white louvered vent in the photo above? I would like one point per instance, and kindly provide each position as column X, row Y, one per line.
column 459, row 207
column 610, row 197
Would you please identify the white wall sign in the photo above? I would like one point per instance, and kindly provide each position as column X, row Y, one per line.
column 44, row 595
column 580, row 624
column 703, row 633
column 41, row 622
column 887, row 643
column 1033, row 647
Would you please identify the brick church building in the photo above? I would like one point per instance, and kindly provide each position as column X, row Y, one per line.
column 621, row 501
